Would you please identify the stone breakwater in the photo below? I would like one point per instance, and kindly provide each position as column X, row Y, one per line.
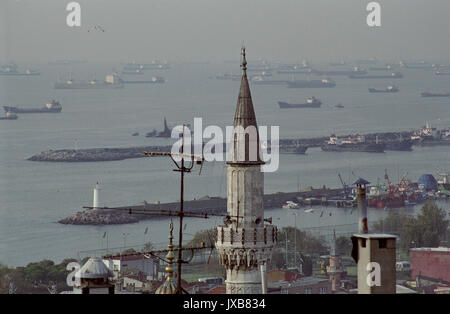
column 99, row 217
column 208, row 205
column 107, row 154
column 96, row 154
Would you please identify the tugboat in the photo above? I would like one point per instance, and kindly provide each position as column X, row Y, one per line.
column 351, row 144
column 50, row 107
column 311, row 102
column 166, row 133
column 389, row 89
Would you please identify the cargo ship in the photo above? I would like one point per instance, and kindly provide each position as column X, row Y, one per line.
column 402, row 145
column 354, row 71
column 112, row 81
column 352, row 144
column 392, row 75
column 419, row 65
column 311, row 83
column 258, row 80
column 295, row 149
column 12, row 70
column 311, row 102
column 50, row 107
column 389, row 89
column 154, row 80
column 428, row 94
column 155, row 65
column 133, row 72
column 388, row 67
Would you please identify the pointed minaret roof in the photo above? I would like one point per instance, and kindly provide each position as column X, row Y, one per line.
column 245, row 116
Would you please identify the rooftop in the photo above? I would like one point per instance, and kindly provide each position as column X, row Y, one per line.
column 94, row 268
column 431, row 249
column 375, row 235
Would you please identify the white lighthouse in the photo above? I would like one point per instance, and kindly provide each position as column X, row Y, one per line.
column 244, row 243
column 95, row 202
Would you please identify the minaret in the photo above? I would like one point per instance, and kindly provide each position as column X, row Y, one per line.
column 335, row 269
column 244, row 243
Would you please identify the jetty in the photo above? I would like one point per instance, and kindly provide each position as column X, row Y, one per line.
column 205, row 205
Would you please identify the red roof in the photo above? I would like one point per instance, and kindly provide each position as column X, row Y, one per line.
column 217, row 290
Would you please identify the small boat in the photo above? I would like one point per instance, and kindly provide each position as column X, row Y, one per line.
column 311, row 210
column 339, row 105
column 291, row 205
column 135, row 134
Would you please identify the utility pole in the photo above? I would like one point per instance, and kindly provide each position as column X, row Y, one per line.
column 182, row 169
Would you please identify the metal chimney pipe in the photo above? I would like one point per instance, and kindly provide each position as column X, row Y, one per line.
column 263, row 278
column 362, row 207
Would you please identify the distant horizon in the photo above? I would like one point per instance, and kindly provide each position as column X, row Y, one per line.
column 202, row 30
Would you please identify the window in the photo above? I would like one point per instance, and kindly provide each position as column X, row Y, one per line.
column 363, row 242
column 382, row 243
column 308, row 290
column 323, row 290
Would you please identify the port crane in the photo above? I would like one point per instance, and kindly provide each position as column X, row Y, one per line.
column 345, row 187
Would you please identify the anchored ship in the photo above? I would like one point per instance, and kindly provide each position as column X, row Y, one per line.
column 311, row 102
column 354, row 71
column 112, row 81
column 50, row 107
column 351, row 144
column 12, row 70
column 392, row 75
column 427, row 94
column 311, row 83
column 9, row 116
column 154, row 80
column 389, row 89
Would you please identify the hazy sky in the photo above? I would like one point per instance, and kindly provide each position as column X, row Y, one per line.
column 196, row 30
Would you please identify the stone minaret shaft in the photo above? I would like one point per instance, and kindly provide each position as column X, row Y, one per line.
column 245, row 243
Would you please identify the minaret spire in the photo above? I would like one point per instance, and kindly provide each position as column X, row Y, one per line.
column 246, row 148
column 243, row 62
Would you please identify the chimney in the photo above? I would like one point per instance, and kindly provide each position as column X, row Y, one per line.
column 374, row 253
